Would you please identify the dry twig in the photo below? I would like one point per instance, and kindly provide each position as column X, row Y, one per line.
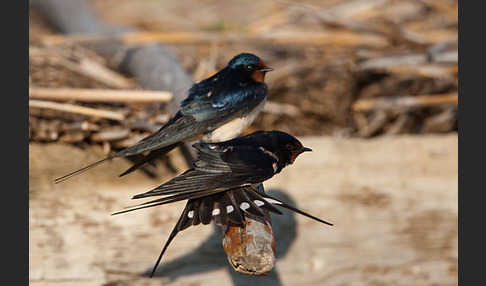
column 400, row 102
column 98, row 72
column 77, row 109
column 375, row 124
column 85, row 66
column 335, row 38
column 281, row 108
column 111, row 134
column 99, row 95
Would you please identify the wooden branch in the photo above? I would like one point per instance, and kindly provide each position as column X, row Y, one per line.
column 111, row 134
column 387, row 103
column 445, row 53
column 268, row 22
column 442, row 122
column 354, row 8
column 432, row 71
column 422, row 70
column 85, row 66
column 247, row 254
column 281, row 108
column 392, row 61
column 416, row 64
column 375, row 124
column 77, row 109
column 129, row 141
column 73, row 137
column 98, row 72
column 445, row 8
column 80, row 126
column 99, row 95
column 336, row 38
column 401, row 125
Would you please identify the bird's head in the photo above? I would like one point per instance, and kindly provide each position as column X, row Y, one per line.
column 250, row 65
column 289, row 148
column 285, row 146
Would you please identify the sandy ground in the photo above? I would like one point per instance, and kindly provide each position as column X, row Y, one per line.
column 393, row 201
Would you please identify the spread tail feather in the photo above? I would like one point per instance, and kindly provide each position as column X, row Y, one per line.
column 241, row 199
column 172, row 235
column 224, row 207
column 169, row 199
column 277, row 202
column 82, row 170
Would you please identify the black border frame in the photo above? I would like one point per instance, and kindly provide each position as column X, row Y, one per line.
column 15, row 141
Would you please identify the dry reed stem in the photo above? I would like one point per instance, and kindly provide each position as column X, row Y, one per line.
column 99, row 95
column 71, row 108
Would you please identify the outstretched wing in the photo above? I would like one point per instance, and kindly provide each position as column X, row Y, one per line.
column 219, row 167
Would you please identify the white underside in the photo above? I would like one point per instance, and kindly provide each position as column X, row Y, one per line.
column 234, row 127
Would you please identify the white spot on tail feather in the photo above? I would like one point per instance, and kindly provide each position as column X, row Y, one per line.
column 258, row 203
column 216, row 212
column 229, row 209
column 190, row 214
column 272, row 201
column 244, row 205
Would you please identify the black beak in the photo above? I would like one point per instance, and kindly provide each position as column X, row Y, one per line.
column 266, row 69
column 305, row 149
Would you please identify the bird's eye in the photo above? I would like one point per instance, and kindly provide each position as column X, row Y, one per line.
column 289, row 146
column 249, row 67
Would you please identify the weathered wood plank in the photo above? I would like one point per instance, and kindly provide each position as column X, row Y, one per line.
column 393, row 201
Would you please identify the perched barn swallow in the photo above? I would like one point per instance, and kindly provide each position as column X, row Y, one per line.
column 218, row 108
column 223, row 183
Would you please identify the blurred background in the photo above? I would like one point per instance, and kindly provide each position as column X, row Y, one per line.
column 370, row 85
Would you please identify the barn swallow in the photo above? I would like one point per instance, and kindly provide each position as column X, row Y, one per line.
column 224, row 183
column 216, row 109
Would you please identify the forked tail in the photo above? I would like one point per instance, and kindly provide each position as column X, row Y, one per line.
column 82, row 170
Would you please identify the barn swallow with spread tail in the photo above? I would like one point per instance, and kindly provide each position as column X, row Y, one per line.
column 218, row 108
column 223, row 183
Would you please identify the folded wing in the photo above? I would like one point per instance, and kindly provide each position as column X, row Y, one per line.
column 219, row 168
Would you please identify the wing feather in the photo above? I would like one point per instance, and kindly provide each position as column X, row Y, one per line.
column 224, row 168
